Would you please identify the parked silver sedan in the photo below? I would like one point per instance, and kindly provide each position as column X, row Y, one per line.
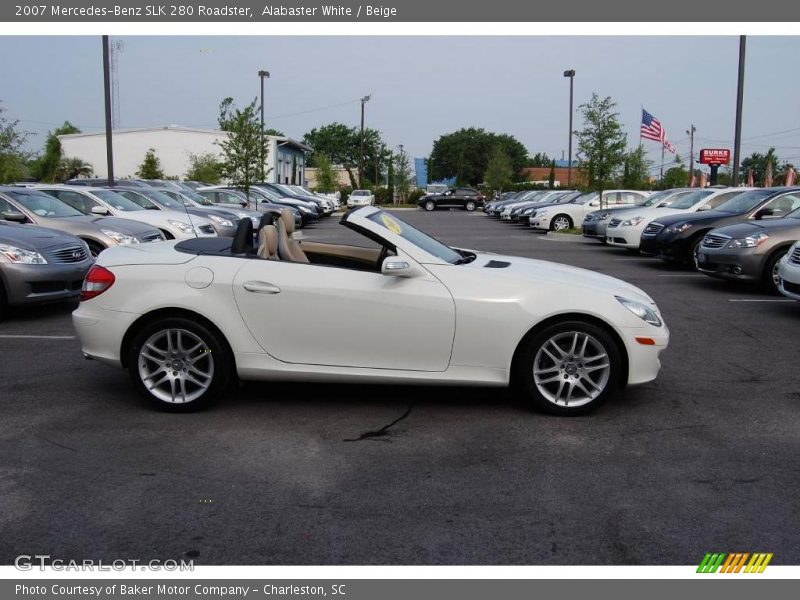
column 26, row 205
column 39, row 265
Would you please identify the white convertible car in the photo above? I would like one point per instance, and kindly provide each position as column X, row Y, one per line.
column 186, row 318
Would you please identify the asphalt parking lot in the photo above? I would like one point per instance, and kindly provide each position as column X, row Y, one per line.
column 704, row 459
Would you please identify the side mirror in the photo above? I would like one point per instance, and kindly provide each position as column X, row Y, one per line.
column 764, row 212
column 394, row 266
column 243, row 203
column 15, row 217
column 594, row 203
column 704, row 207
column 100, row 210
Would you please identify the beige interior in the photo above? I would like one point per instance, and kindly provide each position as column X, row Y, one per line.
column 268, row 242
column 289, row 249
column 366, row 255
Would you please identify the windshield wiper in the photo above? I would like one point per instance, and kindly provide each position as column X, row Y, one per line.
column 465, row 259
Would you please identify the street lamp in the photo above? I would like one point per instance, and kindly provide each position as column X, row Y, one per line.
column 690, row 133
column 262, row 75
column 571, row 75
column 364, row 100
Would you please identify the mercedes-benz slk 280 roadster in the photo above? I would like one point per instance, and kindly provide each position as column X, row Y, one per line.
column 187, row 318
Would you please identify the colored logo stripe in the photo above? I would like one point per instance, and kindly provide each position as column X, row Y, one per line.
column 734, row 562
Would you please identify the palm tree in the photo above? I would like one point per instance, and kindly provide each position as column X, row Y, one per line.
column 70, row 168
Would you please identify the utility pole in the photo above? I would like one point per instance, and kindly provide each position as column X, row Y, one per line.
column 739, row 96
column 262, row 75
column 690, row 133
column 571, row 75
column 364, row 100
column 107, row 93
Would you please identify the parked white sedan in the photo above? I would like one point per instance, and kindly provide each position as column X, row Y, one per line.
column 789, row 273
column 360, row 198
column 186, row 318
column 558, row 217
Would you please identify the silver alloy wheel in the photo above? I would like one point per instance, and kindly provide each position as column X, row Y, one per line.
column 572, row 368
column 560, row 223
column 430, row 205
column 176, row 366
column 776, row 278
column 470, row 206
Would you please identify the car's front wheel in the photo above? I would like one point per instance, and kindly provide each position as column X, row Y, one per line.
column 771, row 280
column 178, row 364
column 560, row 223
column 430, row 205
column 568, row 368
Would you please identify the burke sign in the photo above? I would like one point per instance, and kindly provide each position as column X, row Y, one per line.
column 715, row 156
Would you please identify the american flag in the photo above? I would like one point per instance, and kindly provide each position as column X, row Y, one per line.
column 651, row 130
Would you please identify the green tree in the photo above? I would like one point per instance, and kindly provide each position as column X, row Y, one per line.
column 499, row 173
column 464, row 154
column 70, row 168
column 13, row 158
column 150, row 167
column 551, row 178
column 636, row 173
column 540, row 159
column 402, row 175
column 275, row 132
column 45, row 166
column 342, row 145
column 390, row 178
column 758, row 163
column 676, row 176
column 601, row 142
column 244, row 151
column 204, row 167
column 326, row 181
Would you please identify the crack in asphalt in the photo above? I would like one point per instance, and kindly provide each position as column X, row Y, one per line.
column 383, row 431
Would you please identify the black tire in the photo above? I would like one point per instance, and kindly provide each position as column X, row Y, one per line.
column 430, row 205
column 94, row 248
column 3, row 302
column 606, row 381
column 768, row 283
column 560, row 217
column 694, row 248
column 214, row 353
column 469, row 206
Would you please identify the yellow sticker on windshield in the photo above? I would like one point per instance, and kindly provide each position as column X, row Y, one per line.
column 391, row 224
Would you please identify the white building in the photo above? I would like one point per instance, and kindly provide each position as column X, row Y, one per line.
column 173, row 146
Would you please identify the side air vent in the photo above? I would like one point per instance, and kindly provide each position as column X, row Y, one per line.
column 497, row 264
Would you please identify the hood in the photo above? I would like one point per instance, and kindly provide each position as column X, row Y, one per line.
column 33, row 237
column 696, row 218
column 96, row 223
column 741, row 230
column 539, row 271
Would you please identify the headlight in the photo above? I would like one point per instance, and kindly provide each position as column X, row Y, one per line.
column 22, row 256
column 221, row 221
column 529, row 211
column 751, row 241
column 303, row 209
column 542, row 212
column 644, row 312
column 184, row 227
column 603, row 216
column 123, row 239
column 678, row 228
column 632, row 222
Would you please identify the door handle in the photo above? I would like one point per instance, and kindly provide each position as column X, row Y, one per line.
column 261, row 287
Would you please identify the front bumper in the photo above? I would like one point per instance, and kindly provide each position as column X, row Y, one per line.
column 542, row 223
column 31, row 284
column 727, row 263
column 667, row 246
column 624, row 237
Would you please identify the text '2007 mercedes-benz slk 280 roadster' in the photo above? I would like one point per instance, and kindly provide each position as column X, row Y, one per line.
column 187, row 318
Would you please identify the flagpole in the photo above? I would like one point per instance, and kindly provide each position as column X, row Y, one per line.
column 662, row 161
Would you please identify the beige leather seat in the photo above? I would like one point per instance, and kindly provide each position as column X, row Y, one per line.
column 289, row 249
column 268, row 242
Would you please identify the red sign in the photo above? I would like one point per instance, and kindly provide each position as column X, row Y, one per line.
column 715, row 156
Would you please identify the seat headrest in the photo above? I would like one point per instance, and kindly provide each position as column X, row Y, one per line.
column 271, row 240
column 243, row 238
column 287, row 221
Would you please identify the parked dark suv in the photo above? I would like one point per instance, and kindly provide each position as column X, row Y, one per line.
column 457, row 197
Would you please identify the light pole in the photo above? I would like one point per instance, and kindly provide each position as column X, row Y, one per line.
column 571, row 75
column 364, row 100
column 739, row 95
column 107, row 95
column 690, row 133
column 262, row 75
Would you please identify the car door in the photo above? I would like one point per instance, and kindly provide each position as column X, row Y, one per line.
column 335, row 316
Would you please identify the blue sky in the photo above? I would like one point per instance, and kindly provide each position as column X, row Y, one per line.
column 422, row 87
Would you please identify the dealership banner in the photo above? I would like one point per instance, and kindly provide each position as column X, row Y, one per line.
column 393, row 11
column 398, row 589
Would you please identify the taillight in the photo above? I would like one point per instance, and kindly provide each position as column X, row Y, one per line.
column 97, row 281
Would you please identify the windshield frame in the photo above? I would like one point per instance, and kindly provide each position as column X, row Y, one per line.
column 15, row 198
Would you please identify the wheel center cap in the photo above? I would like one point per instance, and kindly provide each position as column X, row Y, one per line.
column 571, row 368
column 177, row 365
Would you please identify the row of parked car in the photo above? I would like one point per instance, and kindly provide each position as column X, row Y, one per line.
column 51, row 234
column 742, row 234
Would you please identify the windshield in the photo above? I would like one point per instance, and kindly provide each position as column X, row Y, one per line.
column 162, row 199
column 44, row 205
column 745, row 202
column 265, row 192
column 659, row 196
column 116, row 200
column 422, row 240
column 196, row 197
column 360, row 193
column 690, row 199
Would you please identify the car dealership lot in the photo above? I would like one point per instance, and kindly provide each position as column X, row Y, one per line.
column 705, row 458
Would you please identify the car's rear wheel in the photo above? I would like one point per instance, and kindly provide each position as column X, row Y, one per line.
column 568, row 368
column 470, row 206
column 178, row 364
column 430, row 205
column 770, row 278
column 560, row 223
